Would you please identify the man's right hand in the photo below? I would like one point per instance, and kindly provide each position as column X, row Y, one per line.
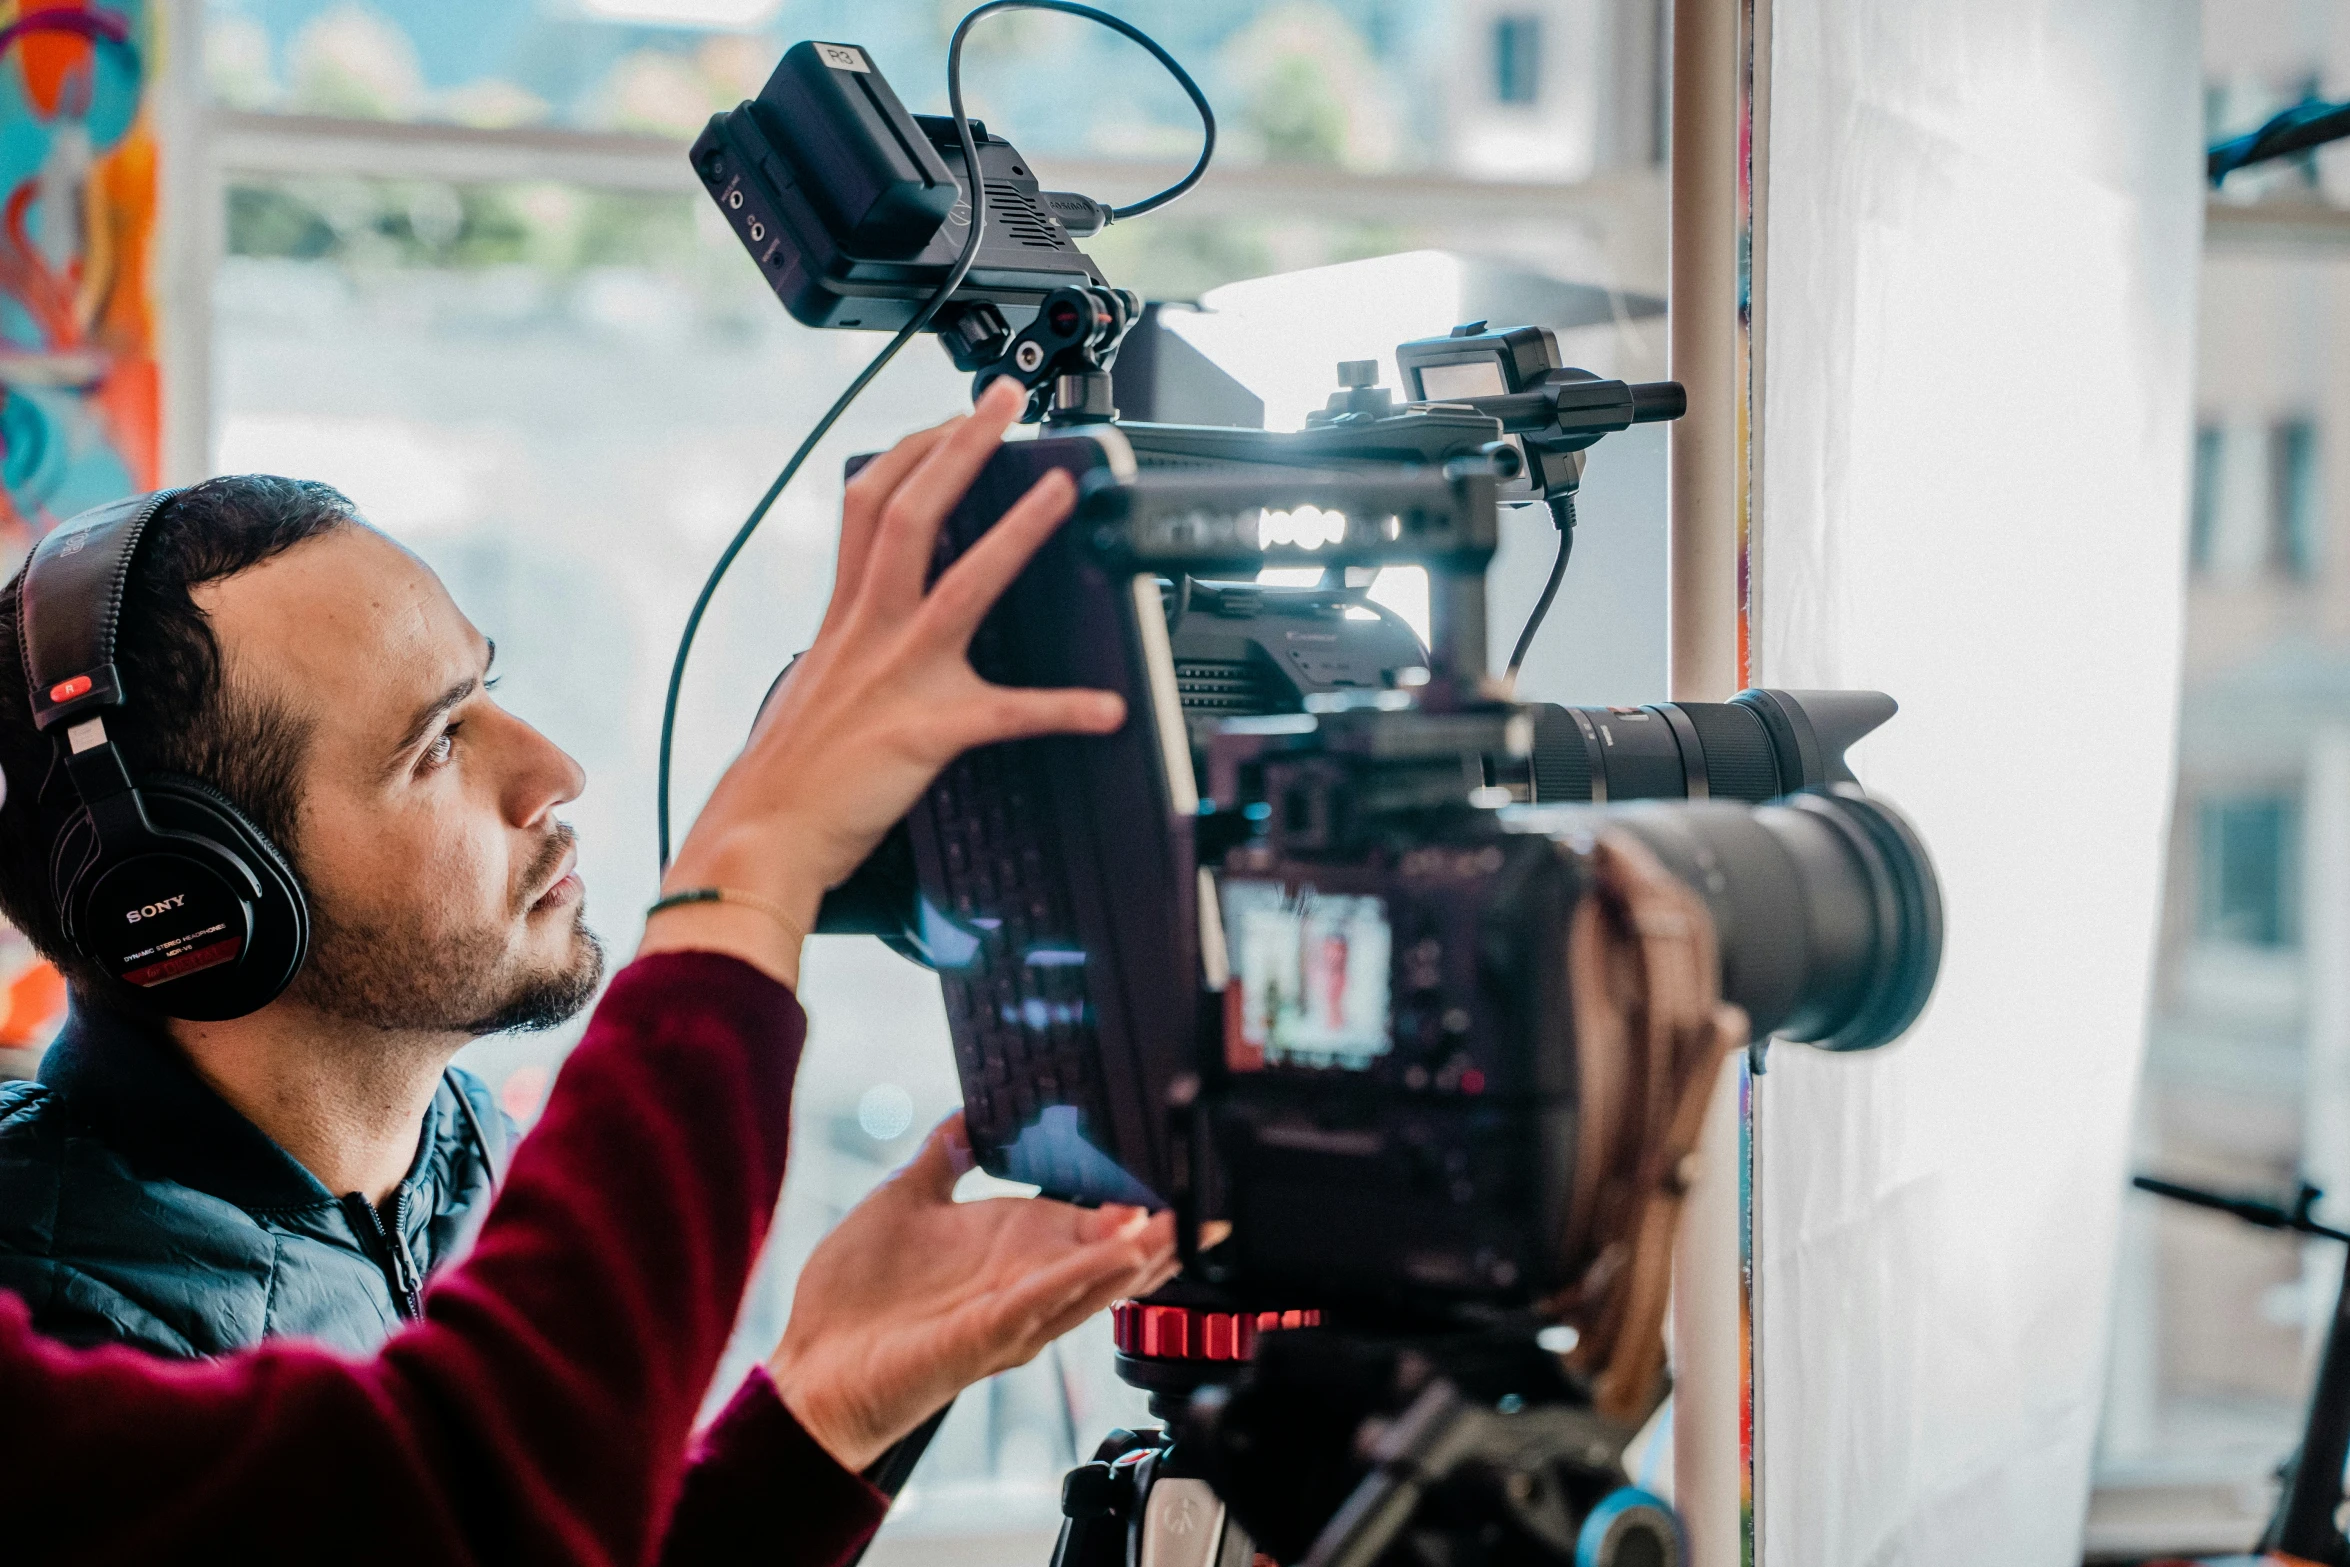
column 915, row 1296
column 882, row 701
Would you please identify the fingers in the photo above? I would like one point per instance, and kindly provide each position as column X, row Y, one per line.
column 861, row 503
column 898, row 561
column 940, row 1162
column 1094, row 1224
column 1015, row 713
column 969, row 588
column 1133, row 1264
column 1085, row 1280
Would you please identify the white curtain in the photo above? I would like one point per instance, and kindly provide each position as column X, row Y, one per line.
column 1982, row 231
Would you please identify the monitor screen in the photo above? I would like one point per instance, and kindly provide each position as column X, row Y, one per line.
column 1310, row 977
column 1468, row 378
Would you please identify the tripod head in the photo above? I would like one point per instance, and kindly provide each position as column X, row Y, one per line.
column 1479, row 1447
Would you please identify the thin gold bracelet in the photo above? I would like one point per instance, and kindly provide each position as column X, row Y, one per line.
column 749, row 900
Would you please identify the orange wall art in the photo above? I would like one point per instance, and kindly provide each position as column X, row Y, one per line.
column 79, row 393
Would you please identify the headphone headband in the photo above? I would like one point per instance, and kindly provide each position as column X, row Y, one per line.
column 71, row 605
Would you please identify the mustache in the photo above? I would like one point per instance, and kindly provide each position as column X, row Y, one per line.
column 561, row 840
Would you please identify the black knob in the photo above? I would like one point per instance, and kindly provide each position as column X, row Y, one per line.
column 1089, row 1491
column 1658, row 400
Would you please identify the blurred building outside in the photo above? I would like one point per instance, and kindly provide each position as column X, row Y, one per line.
column 2247, row 1076
column 448, row 255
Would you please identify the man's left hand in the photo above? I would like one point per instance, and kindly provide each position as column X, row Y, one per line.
column 915, row 1296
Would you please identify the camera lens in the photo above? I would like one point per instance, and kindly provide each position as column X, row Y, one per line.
column 1755, row 747
column 1825, row 905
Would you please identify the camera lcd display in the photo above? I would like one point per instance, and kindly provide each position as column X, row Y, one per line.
column 1310, row 980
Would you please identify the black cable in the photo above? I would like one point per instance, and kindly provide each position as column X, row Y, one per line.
column 742, row 535
column 1563, row 510
column 1199, row 100
column 954, row 280
column 2252, row 1210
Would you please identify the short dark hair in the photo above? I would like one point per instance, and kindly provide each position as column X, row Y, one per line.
column 182, row 716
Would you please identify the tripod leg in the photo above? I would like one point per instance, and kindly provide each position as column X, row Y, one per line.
column 2304, row 1525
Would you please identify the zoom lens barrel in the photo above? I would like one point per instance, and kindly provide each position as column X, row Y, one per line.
column 1825, row 905
column 1755, row 747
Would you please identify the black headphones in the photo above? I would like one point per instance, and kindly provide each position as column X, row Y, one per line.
column 163, row 885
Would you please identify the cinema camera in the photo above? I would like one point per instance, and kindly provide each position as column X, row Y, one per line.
column 1322, row 1006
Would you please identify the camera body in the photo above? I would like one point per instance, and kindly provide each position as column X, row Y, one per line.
column 1395, row 1106
column 1393, row 1110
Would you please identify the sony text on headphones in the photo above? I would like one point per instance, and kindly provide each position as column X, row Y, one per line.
column 162, row 883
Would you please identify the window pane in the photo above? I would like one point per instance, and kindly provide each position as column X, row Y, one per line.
column 2216, row 1324
column 1517, row 59
column 2295, row 500
column 2247, row 872
column 1359, row 83
column 2203, row 517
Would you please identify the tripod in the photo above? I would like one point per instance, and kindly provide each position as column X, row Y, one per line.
column 1317, row 1446
column 2306, row 1523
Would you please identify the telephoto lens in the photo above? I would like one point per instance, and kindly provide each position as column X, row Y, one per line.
column 1755, row 747
column 1826, row 908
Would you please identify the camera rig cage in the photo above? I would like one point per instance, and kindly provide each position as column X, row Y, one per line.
column 1065, row 888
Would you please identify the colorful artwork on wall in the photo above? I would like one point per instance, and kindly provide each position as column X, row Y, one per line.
column 80, row 399
column 79, row 392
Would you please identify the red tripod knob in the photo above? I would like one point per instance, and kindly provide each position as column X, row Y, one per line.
column 1148, row 1332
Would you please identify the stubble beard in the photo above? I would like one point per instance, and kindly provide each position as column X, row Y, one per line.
column 396, row 971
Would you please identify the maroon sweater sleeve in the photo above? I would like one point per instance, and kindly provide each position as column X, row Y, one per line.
column 762, row 1490
column 538, row 1412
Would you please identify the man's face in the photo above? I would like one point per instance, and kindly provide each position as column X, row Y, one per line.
column 443, row 891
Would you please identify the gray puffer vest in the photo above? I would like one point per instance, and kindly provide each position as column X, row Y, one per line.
column 137, row 1207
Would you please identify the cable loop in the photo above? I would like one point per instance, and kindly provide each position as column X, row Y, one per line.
column 945, row 292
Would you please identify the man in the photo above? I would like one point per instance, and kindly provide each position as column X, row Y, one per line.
column 190, row 1187
column 537, row 1410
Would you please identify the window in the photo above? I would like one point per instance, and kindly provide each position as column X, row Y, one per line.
column 2294, row 502
column 564, row 386
column 2248, row 862
column 2203, row 514
column 1517, row 59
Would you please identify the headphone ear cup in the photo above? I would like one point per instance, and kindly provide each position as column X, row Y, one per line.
column 200, row 827
column 281, row 920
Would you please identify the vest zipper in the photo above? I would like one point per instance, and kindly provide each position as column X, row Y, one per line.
column 391, row 1244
